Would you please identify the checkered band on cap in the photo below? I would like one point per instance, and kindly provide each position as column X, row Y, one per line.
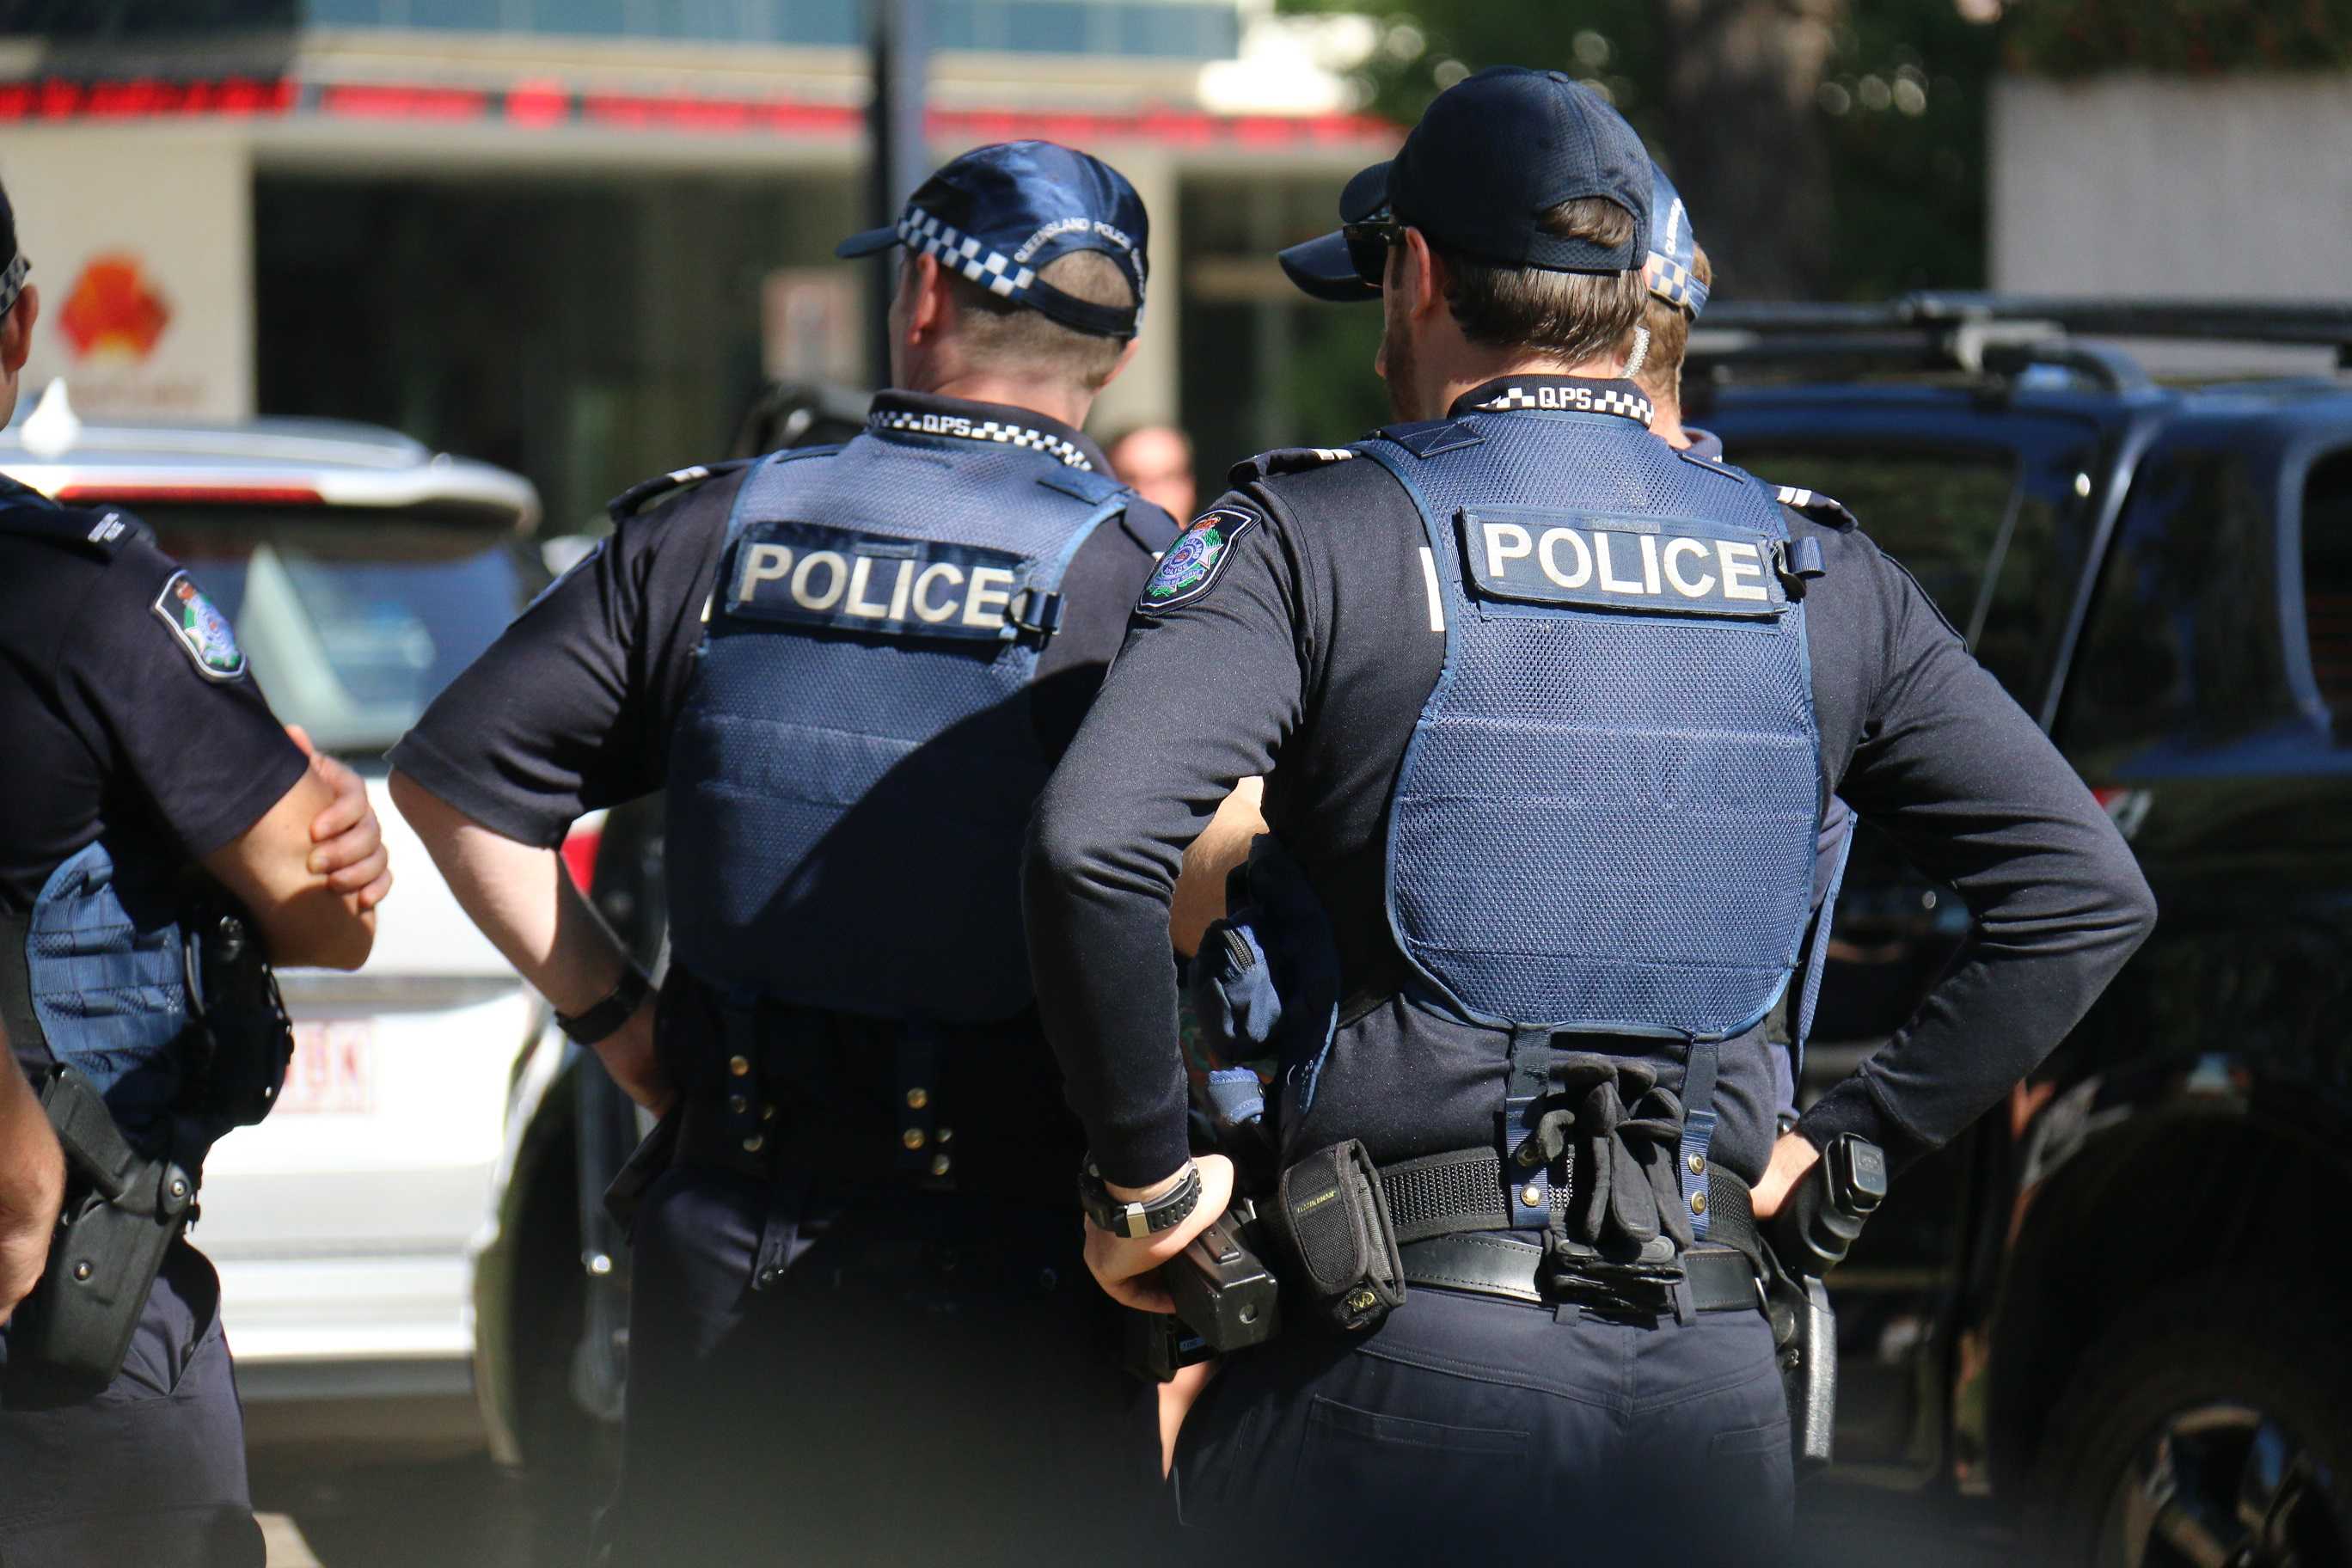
column 12, row 282
column 1607, row 400
column 1053, row 446
column 992, row 270
column 1672, row 282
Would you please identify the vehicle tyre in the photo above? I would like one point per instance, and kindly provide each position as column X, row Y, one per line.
column 2211, row 1425
column 569, row 1457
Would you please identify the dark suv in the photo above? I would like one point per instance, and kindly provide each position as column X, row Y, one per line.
column 2102, row 1313
column 2106, row 1305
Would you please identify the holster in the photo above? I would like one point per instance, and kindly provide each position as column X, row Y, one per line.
column 121, row 1214
column 238, row 1040
column 1804, row 1333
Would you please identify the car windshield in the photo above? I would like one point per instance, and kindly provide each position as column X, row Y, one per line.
column 1959, row 520
column 353, row 622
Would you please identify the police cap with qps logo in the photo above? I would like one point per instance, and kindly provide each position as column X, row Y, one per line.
column 1000, row 214
column 1452, row 181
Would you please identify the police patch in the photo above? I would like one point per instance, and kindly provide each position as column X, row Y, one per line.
column 1191, row 565
column 1677, row 566
column 202, row 631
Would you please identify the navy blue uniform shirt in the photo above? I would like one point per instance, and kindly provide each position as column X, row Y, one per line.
column 1307, row 656
column 115, row 726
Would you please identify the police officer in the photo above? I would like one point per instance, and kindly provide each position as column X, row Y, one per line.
column 144, row 774
column 857, row 1281
column 1549, row 714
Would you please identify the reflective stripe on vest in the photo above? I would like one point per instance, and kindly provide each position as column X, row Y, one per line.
column 857, row 759
column 1605, row 819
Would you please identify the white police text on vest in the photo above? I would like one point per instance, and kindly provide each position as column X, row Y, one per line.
column 1658, row 565
column 804, row 574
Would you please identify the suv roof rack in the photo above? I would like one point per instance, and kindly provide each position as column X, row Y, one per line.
column 2006, row 332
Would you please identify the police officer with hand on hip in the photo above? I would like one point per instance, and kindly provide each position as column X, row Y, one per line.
column 164, row 840
column 856, row 1279
column 1549, row 714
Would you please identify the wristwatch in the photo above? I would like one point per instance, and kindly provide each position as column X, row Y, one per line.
column 1134, row 1220
column 598, row 1022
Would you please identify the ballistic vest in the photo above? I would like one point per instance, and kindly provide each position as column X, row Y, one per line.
column 857, row 761
column 1605, row 820
column 93, row 976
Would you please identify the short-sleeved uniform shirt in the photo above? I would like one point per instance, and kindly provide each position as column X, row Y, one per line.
column 1302, row 641
column 130, row 712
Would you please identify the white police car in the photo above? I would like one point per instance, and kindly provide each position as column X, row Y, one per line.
column 361, row 572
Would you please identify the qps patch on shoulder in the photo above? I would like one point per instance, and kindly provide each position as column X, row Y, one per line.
column 1675, row 566
column 202, row 631
column 1188, row 567
column 805, row 574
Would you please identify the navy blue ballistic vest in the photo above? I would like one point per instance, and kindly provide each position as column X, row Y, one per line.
column 104, row 975
column 1605, row 821
column 857, row 761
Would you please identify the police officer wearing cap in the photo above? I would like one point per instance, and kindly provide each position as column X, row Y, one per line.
column 163, row 834
column 856, row 1279
column 1548, row 712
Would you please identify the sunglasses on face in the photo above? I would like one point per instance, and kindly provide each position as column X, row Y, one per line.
column 1368, row 246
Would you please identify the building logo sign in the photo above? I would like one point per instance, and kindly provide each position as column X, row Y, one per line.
column 114, row 311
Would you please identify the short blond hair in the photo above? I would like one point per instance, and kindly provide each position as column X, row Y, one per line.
column 1011, row 337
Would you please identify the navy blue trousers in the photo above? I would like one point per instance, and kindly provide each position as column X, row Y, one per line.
column 148, row 1473
column 1469, row 1424
column 931, row 1378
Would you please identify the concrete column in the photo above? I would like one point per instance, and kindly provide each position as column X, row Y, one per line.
column 1145, row 392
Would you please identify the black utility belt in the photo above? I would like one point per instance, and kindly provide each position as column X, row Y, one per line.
column 1721, row 1279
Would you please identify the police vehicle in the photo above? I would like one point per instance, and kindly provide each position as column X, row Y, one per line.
column 2107, row 1314
column 361, row 572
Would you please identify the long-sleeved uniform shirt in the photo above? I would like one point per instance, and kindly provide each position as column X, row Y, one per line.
column 1308, row 653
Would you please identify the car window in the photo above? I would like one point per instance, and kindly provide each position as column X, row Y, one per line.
column 353, row 624
column 2183, row 644
column 2327, row 585
column 1959, row 520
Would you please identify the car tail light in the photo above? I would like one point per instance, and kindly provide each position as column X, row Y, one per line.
column 129, row 494
column 580, row 847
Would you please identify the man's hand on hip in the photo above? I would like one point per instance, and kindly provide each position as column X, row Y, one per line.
column 1123, row 1266
column 629, row 1056
column 1792, row 1156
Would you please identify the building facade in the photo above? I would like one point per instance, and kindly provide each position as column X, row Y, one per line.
column 576, row 237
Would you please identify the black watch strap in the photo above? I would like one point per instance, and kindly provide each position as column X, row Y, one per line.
column 1136, row 1220
column 628, row 994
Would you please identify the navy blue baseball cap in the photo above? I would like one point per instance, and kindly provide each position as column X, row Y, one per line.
column 1672, row 246
column 1000, row 213
column 1491, row 156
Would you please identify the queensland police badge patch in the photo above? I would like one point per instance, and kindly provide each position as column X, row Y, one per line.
column 200, row 629
column 1191, row 563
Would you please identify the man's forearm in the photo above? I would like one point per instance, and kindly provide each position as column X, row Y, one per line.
column 521, row 897
column 32, row 1184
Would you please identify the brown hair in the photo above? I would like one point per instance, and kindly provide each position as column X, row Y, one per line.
column 1008, row 335
column 1570, row 316
column 1670, row 327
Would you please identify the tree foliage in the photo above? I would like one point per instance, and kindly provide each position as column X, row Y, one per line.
column 1840, row 147
column 2194, row 37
